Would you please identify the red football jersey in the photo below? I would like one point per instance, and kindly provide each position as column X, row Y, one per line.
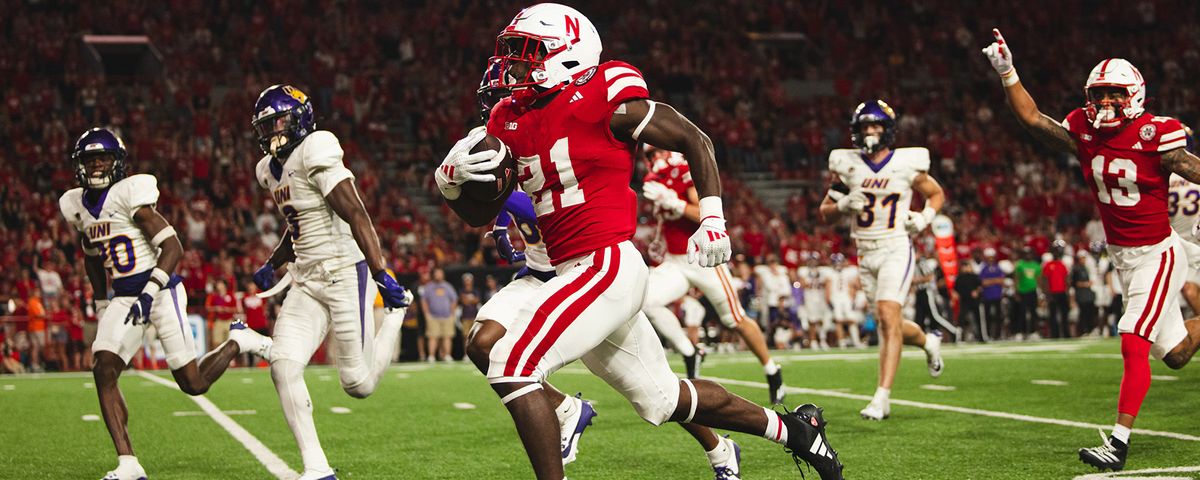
column 568, row 161
column 673, row 172
column 1124, row 171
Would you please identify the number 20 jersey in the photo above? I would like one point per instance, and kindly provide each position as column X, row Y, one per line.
column 109, row 226
column 1124, row 170
column 887, row 186
column 568, row 161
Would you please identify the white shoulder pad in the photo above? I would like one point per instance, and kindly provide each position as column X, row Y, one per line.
column 321, row 150
column 136, row 191
column 262, row 170
column 916, row 158
column 840, row 158
column 70, row 204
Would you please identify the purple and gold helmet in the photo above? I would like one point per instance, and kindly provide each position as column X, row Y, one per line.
column 490, row 93
column 878, row 112
column 93, row 143
column 283, row 116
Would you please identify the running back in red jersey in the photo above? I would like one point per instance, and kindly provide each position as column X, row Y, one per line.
column 1124, row 170
column 568, row 161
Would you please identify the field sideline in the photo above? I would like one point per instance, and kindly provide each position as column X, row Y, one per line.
column 1003, row 411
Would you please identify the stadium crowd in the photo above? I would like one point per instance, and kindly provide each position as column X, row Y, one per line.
column 772, row 82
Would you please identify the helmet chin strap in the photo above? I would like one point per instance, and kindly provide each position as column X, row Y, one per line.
column 871, row 142
column 277, row 142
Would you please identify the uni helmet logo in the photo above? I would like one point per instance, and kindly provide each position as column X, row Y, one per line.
column 295, row 93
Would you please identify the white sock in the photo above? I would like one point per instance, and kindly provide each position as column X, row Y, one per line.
column 288, row 376
column 1121, row 432
column 854, row 335
column 721, row 453
column 126, row 461
column 776, row 430
column 770, row 368
column 882, row 394
column 566, row 409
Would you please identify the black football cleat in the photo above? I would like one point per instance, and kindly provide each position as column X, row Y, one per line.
column 692, row 364
column 1110, row 456
column 808, row 443
column 775, row 384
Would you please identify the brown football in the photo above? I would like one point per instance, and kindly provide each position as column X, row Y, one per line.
column 505, row 173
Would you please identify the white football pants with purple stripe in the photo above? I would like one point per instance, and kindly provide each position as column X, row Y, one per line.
column 886, row 268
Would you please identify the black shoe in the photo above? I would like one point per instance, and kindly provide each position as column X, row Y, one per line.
column 807, row 442
column 1110, row 456
column 692, row 363
column 775, row 383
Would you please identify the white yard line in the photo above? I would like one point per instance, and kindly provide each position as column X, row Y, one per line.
column 265, row 456
column 963, row 410
column 1135, row 474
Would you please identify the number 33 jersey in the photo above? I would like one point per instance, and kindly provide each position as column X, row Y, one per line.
column 887, row 186
column 568, row 161
column 1124, row 170
column 299, row 184
column 107, row 222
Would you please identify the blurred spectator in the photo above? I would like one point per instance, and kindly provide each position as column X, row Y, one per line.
column 439, row 301
column 1085, row 297
column 991, row 277
column 221, row 308
column 1056, row 284
column 469, row 298
column 969, row 287
column 1026, row 273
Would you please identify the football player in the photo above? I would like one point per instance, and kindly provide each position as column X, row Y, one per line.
column 1183, row 205
column 337, row 268
column 499, row 314
column 125, row 237
column 1125, row 154
column 874, row 184
column 573, row 123
column 815, row 314
column 669, row 187
column 841, row 289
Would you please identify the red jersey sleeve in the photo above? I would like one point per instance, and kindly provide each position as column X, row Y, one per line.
column 1165, row 134
column 610, row 85
column 1076, row 123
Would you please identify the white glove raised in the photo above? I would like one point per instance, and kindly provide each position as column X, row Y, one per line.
column 710, row 244
column 655, row 191
column 670, row 208
column 917, row 221
column 1001, row 59
column 461, row 166
column 852, row 202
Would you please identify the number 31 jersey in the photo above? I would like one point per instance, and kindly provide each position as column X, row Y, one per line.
column 568, row 161
column 887, row 186
column 107, row 223
column 299, row 184
column 1124, row 170
column 1183, row 205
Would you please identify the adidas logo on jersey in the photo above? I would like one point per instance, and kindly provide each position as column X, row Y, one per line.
column 576, row 96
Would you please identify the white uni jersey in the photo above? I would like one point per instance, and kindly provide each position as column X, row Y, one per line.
column 887, row 186
column 840, row 280
column 1183, row 205
column 107, row 222
column 299, row 186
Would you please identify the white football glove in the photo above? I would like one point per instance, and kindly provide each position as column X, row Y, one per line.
column 852, row 202
column 461, row 166
column 917, row 221
column 710, row 244
column 654, row 191
column 670, row 208
column 1001, row 59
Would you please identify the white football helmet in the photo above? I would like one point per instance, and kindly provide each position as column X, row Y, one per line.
column 1118, row 73
column 555, row 40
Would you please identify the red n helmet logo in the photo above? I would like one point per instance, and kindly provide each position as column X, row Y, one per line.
column 572, row 26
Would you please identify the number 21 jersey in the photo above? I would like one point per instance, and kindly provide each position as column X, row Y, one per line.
column 568, row 161
column 1124, row 170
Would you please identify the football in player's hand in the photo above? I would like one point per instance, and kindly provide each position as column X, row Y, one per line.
column 505, row 173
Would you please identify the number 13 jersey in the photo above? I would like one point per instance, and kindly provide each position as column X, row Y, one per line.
column 887, row 186
column 568, row 161
column 1124, row 170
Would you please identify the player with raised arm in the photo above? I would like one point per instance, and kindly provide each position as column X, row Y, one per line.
column 572, row 123
column 874, row 185
column 337, row 267
column 124, row 236
column 668, row 185
column 1126, row 155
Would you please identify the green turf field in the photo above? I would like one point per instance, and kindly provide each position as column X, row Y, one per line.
column 986, row 418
